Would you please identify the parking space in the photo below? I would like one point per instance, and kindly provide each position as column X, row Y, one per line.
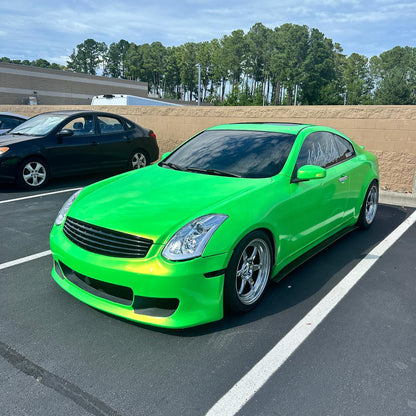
column 362, row 359
column 59, row 356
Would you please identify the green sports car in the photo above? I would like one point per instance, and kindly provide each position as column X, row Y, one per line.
column 203, row 231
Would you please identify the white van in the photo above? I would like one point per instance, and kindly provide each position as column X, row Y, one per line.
column 121, row 99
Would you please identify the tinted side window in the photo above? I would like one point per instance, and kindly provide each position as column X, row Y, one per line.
column 129, row 124
column 81, row 126
column 9, row 122
column 110, row 124
column 345, row 148
column 319, row 148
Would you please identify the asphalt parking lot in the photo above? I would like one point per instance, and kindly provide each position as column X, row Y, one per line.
column 60, row 357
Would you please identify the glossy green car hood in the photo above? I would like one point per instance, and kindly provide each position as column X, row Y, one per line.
column 155, row 202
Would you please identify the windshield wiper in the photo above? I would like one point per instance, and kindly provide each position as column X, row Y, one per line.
column 200, row 170
column 213, row 172
column 173, row 166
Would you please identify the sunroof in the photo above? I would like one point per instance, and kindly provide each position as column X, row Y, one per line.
column 271, row 123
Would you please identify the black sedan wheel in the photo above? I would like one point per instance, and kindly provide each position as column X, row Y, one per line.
column 33, row 173
column 248, row 273
column 138, row 160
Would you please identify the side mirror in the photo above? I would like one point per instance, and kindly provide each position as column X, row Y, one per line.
column 308, row 172
column 65, row 133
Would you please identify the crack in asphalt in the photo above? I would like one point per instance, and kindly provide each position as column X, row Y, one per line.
column 85, row 400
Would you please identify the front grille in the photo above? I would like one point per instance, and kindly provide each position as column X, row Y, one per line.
column 104, row 241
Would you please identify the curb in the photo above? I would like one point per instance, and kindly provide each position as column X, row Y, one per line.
column 397, row 198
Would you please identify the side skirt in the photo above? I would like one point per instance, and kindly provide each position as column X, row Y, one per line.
column 311, row 253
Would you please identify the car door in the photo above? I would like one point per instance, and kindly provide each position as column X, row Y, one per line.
column 74, row 149
column 318, row 205
column 114, row 142
column 354, row 171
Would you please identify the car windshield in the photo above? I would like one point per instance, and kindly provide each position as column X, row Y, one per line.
column 39, row 125
column 248, row 154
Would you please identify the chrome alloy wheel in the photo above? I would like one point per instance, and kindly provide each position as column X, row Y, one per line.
column 253, row 271
column 371, row 204
column 34, row 173
column 138, row 161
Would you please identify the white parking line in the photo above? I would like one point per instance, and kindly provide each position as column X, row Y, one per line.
column 39, row 195
column 248, row 386
column 25, row 259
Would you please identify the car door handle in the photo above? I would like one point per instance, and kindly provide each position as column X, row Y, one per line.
column 94, row 143
column 343, row 178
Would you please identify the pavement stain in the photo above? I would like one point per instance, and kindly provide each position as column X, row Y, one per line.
column 83, row 399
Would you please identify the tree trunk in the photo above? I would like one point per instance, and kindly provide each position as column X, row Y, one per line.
column 223, row 90
column 277, row 94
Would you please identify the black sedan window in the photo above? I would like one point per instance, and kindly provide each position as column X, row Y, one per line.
column 249, row 154
column 81, row 126
column 8, row 122
column 109, row 124
column 39, row 125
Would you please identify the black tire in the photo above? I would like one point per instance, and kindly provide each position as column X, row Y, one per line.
column 248, row 273
column 33, row 173
column 138, row 159
column 369, row 207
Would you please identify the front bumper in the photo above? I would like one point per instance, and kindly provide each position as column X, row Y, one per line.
column 8, row 168
column 151, row 290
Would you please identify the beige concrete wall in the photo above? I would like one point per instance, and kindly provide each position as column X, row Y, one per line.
column 388, row 131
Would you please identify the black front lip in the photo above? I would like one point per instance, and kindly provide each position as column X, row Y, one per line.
column 122, row 295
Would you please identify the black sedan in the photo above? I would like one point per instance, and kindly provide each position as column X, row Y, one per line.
column 68, row 142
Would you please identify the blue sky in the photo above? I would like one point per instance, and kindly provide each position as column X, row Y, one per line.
column 51, row 29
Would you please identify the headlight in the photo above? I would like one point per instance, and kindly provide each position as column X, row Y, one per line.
column 190, row 241
column 65, row 208
column 3, row 150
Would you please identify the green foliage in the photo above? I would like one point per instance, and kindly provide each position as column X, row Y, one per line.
column 288, row 57
column 318, row 69
column 235, row 50
column 395, row 88
column 115, row 60
column 357, row 79
column 394, row 73
column 242, row 95
column 87, row 57
column 41, row 63
column 172, row 79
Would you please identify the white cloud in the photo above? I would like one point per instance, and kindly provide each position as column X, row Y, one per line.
column 46, row 28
